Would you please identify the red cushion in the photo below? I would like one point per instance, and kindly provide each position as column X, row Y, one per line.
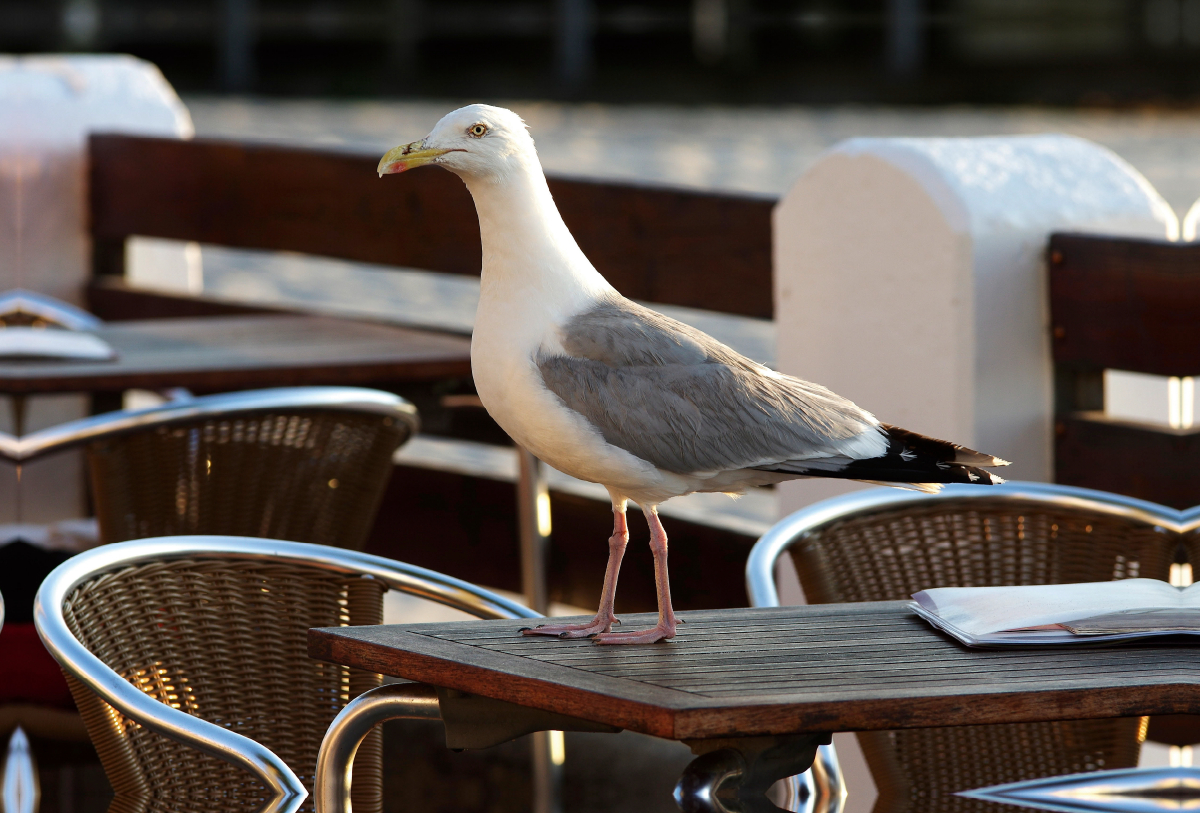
column 27, row 672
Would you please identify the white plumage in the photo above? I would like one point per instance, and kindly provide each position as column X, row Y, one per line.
column 608, row 391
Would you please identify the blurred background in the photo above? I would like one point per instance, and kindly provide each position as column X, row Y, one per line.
column 1060, row 52
column 643, row 78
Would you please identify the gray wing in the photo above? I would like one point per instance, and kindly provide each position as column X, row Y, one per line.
column 676, row 397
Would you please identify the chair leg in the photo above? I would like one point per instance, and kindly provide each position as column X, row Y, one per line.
column 19, row 789
column 335, row 761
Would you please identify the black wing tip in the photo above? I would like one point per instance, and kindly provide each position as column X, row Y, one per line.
column 893, row 471
column 910, row 458
column 905, row 440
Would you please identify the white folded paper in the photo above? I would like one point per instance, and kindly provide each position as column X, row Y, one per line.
column 1061, row 613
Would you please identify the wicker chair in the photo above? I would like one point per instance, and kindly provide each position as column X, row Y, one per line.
column 886, row 544
column 307, row 464
column 187, row 658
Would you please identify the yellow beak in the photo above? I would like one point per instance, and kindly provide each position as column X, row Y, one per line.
column 407, row 156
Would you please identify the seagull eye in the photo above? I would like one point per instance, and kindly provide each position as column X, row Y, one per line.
column 478, row 130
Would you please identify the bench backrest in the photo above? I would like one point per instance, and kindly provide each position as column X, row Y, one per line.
column 1123, row 304
column 671, row 246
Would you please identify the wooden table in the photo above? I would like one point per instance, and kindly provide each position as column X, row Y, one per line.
column 764, row 684
column 215, row 353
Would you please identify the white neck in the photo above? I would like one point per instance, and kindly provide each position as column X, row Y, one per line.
column 527, row 250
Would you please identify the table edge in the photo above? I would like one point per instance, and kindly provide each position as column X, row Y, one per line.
column 450, row 664
column 676, row 714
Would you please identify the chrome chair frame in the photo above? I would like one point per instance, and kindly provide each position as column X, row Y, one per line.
column 760, row 567
column 335, row 760
column 79, row 662
column 87, row 430
column 764, row 556
column 47, row 308
column 1114, row 791
column 20, row 791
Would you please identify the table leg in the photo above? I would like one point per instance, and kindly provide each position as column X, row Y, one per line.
column 734, row 775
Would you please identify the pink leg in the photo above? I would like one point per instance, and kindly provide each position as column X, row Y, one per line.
column 666, row 615
column 605, row 616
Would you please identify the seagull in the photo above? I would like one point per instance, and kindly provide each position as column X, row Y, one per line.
column 608, row 391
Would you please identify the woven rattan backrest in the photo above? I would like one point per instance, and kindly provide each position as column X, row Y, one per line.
column 302, row 475
column 223, row 639
column 892, row 553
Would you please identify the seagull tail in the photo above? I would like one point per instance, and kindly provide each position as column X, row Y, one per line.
column 910, row 461
column 937, row 449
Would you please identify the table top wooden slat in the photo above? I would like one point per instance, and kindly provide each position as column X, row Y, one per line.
column 847, row 667
column 233, row 352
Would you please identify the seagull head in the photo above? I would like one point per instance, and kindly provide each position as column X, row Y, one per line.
column 476, row 141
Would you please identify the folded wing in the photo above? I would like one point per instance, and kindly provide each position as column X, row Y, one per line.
column 674, row 396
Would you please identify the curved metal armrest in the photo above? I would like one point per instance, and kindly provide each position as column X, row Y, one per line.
column 335, row 761
column 31, row 303
column 760, row 567
column 179, row 409
column 470, row 721
column 288, row 792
